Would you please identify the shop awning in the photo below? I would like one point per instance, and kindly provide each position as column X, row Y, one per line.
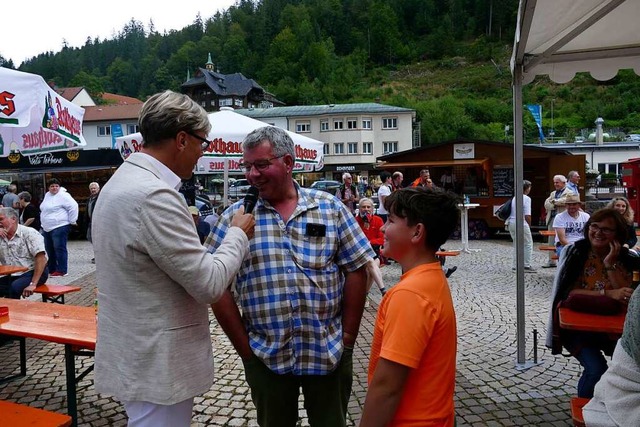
column 432, row 163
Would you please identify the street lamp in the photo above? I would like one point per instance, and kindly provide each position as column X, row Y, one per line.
column 552, row 133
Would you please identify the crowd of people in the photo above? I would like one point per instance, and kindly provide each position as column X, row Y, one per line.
column 287, row 281
column 35, row 237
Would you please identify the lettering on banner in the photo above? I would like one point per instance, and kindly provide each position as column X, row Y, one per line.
column 44, row 159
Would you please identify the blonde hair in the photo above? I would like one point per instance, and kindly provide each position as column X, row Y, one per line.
column 628, row 213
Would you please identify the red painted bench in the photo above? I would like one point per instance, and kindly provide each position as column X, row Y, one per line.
column 54, row 293
column 577, row 403
column 16, row 415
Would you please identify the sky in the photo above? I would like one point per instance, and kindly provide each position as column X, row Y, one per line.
column 30, row 28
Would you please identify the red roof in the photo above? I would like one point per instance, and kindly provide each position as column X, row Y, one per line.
column 112, row 112
column 69, row 93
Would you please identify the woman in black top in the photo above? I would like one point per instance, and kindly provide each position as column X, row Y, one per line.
column 29, row 214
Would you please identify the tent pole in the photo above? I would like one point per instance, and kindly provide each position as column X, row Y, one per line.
column 518, row 178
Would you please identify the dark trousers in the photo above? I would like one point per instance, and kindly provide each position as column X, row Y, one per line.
column 12, row 286
column 275, row 396
column 55, row 243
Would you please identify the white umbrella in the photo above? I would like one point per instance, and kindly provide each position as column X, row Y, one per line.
column 228, row 129
column 34, row 118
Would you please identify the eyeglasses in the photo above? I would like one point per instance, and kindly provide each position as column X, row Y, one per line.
column 205, row 142
column 604, row 230
column 260, row 165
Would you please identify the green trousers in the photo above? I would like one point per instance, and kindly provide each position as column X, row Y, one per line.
column 275, row 396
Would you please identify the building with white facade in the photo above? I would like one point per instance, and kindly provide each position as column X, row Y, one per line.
column 605, row 157
column 354, row 135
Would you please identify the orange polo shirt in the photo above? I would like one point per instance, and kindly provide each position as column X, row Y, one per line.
column 416, row 327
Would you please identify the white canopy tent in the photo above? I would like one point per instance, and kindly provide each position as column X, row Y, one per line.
column 34, row 119
column 228, row 130
column 559, row 38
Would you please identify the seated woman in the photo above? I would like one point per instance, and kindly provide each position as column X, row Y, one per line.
column 595, row 265
column 616, row 400
column 371, row 224
column 621, row 204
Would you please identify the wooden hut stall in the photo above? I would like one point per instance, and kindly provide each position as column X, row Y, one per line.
column 483, row 171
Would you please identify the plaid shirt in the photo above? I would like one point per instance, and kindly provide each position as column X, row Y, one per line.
column 290, row 287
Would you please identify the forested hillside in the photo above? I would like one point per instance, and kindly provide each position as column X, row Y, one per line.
column 448, row 59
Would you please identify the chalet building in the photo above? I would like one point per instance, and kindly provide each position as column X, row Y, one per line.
column 213, row 90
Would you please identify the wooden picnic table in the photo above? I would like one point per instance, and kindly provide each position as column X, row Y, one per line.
column 575, row 320
column 547, row 233
column 73, row 326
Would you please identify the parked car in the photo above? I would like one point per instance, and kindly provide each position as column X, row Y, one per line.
column 238, row 189
column 326, row 185
column 579, row 139
column 635, row 137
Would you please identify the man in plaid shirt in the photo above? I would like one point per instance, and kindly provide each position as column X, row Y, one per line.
column 301, row 290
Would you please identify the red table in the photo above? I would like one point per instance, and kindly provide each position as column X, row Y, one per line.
column 10, row 269
column 570, row 319
column 73, row 326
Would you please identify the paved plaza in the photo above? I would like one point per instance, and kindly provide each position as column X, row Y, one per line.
column 490, row 391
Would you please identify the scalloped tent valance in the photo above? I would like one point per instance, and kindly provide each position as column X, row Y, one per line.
column 560, row 38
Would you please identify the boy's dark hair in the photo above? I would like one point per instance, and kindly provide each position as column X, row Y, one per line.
column 384, row 175
column 53, row 181
column 435, row 208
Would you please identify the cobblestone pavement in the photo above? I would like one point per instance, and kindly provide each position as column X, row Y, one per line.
column 490, row 391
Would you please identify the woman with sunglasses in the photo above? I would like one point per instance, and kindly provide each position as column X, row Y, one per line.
column 595, row 265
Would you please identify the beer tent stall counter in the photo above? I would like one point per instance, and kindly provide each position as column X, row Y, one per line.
column 484, row 172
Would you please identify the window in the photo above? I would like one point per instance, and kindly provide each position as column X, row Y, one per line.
column 608, row 168
column 303, row 127
column 352, row 123
column 324, row 125
column 338, row 148
column 366, row 123
column 237, row 102
column 389, row 123
column 338, row 124
column 225, row 102
column 367, row 147
column 352, row 147
column 132, row 129
column 104, row 130
column 390, row 147
column 325, row 149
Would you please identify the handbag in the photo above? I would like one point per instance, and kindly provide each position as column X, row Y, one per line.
column 594, row 304
column 504, row 211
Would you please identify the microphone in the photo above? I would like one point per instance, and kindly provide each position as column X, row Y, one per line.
column 250, row 199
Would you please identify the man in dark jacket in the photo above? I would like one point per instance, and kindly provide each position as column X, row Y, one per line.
column 94, row 190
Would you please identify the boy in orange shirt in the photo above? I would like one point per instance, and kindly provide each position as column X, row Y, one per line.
column 412, row 366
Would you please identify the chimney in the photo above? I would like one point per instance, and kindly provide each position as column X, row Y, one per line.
column 599, row 136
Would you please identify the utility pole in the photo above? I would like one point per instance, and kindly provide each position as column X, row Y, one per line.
column 552, row 133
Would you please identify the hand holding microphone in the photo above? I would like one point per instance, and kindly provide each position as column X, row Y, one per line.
column 243, row 217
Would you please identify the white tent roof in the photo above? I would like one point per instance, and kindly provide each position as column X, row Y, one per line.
column 561, row 37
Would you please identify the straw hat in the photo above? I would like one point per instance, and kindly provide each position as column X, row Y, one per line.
column 572, row 198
